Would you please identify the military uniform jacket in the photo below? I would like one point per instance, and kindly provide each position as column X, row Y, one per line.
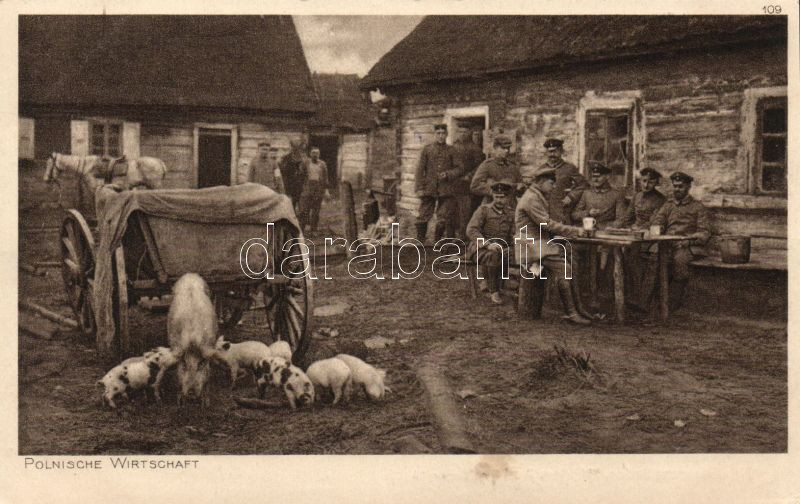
column 262, row 171
column 532, row 209
column 608, row 200
column 642, row 209
column 435, row 159
column 567, row 177
column 490, row 171
column 683, row 218
column 487, row 222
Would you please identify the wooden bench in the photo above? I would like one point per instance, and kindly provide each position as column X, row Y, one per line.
column 774, row 260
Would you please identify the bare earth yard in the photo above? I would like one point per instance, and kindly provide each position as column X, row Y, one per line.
column 514, row 393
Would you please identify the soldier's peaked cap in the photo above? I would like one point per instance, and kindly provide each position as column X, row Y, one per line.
column 503, row 141
column 502, row 186
column 599, row 168
column 553, row 143
column 649, row 172
column 679, row 176
column 440, row 127
column 545, row 171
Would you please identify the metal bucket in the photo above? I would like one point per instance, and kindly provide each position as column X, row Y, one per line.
column 735, row 249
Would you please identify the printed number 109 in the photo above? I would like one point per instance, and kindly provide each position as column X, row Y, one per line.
column 771, row 9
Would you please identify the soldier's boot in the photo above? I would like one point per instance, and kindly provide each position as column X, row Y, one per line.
column 422, row 231
column 677, row 291
column 578, row 303
column 493, row 283
column 568, row 303
column 439, row 231
column 539, row 288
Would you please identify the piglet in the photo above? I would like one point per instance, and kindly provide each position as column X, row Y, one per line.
column 278, row 372
column 332, row 374
column 241, row 356
column 136, row 373
column 281, row 349
column 368, row 377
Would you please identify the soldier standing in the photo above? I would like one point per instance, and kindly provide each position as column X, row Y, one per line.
column 264, row 170
column 315, row 188
column 498, row 167
column 437, row 172
column 292, row 167
column 570, row 184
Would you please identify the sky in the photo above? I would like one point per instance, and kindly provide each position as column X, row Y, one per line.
column 350, row 44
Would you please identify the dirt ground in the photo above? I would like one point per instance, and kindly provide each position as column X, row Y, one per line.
column 723, row 379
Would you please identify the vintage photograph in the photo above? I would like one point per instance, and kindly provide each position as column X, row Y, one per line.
column 345, row 235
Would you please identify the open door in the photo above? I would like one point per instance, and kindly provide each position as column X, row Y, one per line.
column 213, row 157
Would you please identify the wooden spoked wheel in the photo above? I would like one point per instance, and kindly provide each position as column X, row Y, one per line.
column 77, row 269
column 289, row 297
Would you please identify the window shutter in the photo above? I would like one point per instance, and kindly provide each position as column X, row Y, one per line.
column 26, row 146
column 79, row 138
column 130, row 139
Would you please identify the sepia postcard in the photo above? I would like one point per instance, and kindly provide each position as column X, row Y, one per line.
column 399, row 252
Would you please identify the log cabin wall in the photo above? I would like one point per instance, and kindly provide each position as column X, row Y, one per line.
column 691, row 110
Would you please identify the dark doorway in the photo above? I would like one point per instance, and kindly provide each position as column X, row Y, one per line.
column 328, row 146
column 213, row 157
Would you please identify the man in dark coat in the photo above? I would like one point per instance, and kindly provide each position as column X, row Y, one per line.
column 437, row 174
column 570, row 184
column 498, row 167
column 292, row 168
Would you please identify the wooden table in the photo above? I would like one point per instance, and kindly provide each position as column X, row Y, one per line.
column 665, row 244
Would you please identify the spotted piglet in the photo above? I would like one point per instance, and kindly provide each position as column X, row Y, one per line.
column 241, row 356
column 278, row 372
column 136, row 373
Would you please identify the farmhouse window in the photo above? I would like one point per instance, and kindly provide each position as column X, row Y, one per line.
column 608, row 140
column 771, row 146
column 105, row 138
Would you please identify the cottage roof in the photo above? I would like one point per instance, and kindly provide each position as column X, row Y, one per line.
column 341, row 102
column 243, row 62
column 453, row 47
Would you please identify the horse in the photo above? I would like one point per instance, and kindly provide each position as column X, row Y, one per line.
column 146, row 172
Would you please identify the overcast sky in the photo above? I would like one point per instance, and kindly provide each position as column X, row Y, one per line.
column 350, row 44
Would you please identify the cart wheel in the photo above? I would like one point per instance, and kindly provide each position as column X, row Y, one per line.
column 77, row 269
column 289, row 301
column 120, row 303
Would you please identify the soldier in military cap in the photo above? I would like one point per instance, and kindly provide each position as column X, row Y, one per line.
column 437, row 174
column 494, row 223
column 601, row 201
column 680, row 215
column 640, row 212
column 533, row 209
column 264, row 170
column 498, row 167
column 570, row 184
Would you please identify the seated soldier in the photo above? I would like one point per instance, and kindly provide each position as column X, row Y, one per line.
column 681, row 215
column 640, row 212
column 533, row 210
column 494, row 223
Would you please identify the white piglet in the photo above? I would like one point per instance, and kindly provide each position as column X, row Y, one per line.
column 332, row 374
column 241, row 356
column 136, row 373
column 368, row 377
column 192, row 331
column 281, row 349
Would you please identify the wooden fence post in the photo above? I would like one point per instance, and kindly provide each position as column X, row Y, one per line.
column 350, row 223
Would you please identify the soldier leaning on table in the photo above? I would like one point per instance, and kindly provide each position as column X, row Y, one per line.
column 494, row 222
column 680, row 215
column 533, row 209
column 435, row 183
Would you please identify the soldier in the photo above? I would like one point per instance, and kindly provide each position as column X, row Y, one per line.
column 638, row 216
column 438, row 169
column 292, row 167
column 315, row 188
column 570, row 184
column 498, row 167
column 645, row 203
column 533, row 209
column 264, row 170
column 471, row 157
column 681, row 215
column 494, row 222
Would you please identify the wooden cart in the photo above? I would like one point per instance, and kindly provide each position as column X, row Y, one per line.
column 156, row 251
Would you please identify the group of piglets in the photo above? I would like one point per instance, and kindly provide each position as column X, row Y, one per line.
column 272, row 365
column 192, row 333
